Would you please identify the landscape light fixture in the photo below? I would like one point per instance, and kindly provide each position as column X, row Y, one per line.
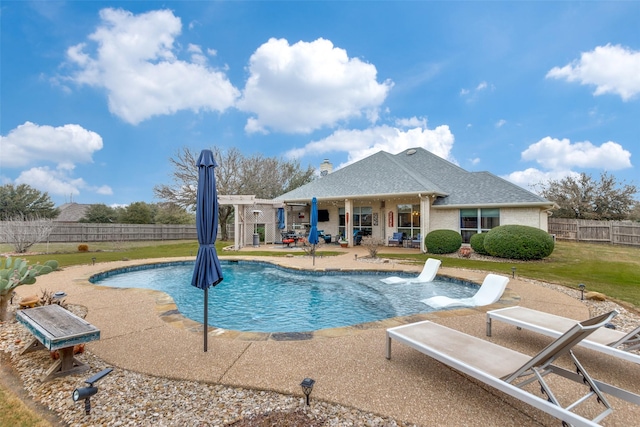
column 85, row 393
column 513, row 272
column 581, row 286
column 93, row 261
column 57, row 297
column 307, row 387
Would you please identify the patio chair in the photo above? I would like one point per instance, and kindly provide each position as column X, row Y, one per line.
column 357, row 237
column 609, row 341
column 415, row 241
column 428, row 273
column 510, row 371
column 396, row 239
column 490, row 291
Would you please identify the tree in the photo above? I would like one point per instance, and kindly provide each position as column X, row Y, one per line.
column 634, row 215
column 584, row 198
column 170, row 213
column 25, row 202
column 138, row 213
column 264, row 177
column 23, row 233
column 100, row 213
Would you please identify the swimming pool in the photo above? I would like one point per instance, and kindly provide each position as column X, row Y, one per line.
column 262, row 297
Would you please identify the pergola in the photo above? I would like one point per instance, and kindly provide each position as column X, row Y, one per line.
column 249, row 212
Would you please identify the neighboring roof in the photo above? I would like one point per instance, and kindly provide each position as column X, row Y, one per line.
column 412, row 172
column 71, row 212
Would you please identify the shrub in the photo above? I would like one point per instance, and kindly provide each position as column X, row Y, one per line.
column 443, row 242
column 372, row 244
column 83, row 248
column 518, row 242
column 477, row 243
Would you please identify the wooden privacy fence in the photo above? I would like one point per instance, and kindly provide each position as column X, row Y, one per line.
column 91, row 232
column 583, row 230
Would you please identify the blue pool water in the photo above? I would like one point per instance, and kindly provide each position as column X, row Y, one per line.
column 261, row 297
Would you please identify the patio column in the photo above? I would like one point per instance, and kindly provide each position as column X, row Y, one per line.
column 236, row 227
column 425, row 210
column 348, row 208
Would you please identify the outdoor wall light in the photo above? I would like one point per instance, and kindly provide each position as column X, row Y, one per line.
column 513, row 272
column 85, row 393
column 581, row 286
column 307, row 387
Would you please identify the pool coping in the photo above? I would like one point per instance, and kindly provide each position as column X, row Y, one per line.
column 167, row 310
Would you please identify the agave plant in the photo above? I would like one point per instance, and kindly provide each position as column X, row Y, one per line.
column 14, row 273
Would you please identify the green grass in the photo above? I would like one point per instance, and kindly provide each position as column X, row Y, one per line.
column 13, row 412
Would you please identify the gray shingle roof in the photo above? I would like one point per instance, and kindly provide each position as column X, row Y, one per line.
column 422, row 172
column 71, row 212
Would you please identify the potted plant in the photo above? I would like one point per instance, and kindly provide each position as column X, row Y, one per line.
column 344, row 243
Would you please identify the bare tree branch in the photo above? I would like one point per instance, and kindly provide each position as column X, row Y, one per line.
column 264, row 177
column 585, row 198
column 23, row 234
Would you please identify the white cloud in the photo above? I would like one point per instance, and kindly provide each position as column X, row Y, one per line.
column 135, row 61
column 611, row 68
column 472, row 95
column 302, row 87
column 474, row 161
column 362, row 143
column 500, row 123
column 58, row 181
column 559, row 157
column 65, row 146
column 530, row 178
column 561, row 154
column 412, row 122
column 30, row 143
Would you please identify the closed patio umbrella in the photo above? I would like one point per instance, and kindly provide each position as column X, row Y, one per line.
column 281, row 220
column 313, row 233
column 281, row 224
column 207, row 271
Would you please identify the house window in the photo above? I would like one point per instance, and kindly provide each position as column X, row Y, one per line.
column 362, row 220
column 474, row 221
column 409, row 220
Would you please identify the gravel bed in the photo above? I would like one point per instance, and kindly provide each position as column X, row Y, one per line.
column 127, row 398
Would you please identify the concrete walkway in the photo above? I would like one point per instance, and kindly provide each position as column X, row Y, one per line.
column 140, row 331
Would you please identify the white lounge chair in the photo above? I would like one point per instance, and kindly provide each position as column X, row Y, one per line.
column 510, row 371
column 428, row 273
column 490, row 291
column 605, row 340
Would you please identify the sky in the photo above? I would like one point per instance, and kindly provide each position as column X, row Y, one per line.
column 97, row 97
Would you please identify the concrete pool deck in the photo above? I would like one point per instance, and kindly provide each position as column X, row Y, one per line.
column 141, row 332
